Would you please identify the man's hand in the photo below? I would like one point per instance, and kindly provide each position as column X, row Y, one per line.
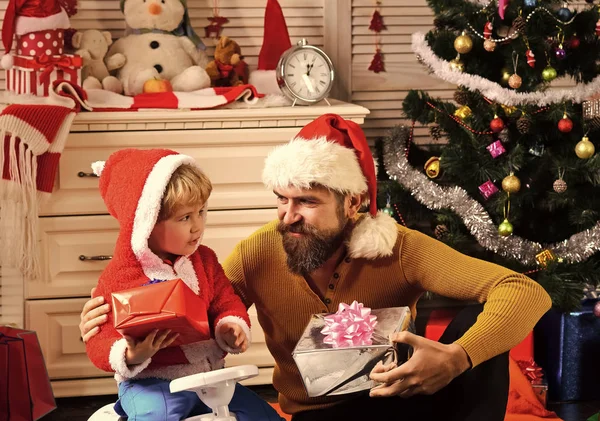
column 139, row 351
column 432, row 366
column 234, row 336
column 93, row 315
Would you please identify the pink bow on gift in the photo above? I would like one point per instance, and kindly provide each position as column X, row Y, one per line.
column 49, row 63
column 351, row 325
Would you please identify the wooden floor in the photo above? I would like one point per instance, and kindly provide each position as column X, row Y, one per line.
column 80, row 409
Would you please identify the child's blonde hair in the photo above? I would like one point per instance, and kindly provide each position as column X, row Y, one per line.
column 188, row 186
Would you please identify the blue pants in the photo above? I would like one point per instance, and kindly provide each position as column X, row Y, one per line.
column 151, row 400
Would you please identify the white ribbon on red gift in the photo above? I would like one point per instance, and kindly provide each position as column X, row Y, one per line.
column 351, row 325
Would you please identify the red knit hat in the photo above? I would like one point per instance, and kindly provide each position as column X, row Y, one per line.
column 26, row 16
column 132, row 184
column 276, row 40
column 333, row 152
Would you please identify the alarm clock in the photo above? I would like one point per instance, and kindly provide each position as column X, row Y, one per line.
column 305, row 74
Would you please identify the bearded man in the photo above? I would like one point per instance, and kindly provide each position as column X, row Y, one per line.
column 322, row 251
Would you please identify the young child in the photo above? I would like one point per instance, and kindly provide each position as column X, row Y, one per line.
column 159, row 198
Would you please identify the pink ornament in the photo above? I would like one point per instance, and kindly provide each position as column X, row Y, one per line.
column 488, row 189
column 496, row 149
column 530, row 58
column 598, row 28
column 351, row 325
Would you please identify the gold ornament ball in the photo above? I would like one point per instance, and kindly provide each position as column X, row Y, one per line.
column 489, row 45
column 463, row 112
column 432, row 167
column 585, row 149
column 515, row 81
column 560, row 186
column 505, row 75
column 549, row 74
column 463, row 44
column 505, row 228
column 457, row 65
column 511, row 184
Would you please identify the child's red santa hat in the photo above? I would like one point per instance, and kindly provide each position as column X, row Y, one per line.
column 132, row 184
column 26, row 16
column 276, row 41
column 334, row 153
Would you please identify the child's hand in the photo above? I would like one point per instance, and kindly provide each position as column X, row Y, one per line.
column 234, row 336
column 139, row 351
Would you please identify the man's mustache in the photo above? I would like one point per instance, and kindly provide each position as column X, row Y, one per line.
column 296, row 228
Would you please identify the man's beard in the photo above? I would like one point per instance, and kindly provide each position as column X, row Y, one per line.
column 307, row 253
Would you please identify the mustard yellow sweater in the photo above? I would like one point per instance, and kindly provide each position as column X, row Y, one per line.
column 284, row 301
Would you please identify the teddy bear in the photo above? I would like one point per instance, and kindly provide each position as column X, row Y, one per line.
column 92, row 45
column 228, row 68
column 161, row 45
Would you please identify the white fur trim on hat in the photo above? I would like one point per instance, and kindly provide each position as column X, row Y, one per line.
column 146, row 215
column 98, row 167
column 116, row 357
column 372, row 238
column 28, row 24
column 302, row 163
column 265, row 81
column 238, row 321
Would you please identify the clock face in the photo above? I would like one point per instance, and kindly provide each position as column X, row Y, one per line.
column 307, row 74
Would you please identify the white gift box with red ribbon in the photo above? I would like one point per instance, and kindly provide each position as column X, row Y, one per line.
column 34, row 75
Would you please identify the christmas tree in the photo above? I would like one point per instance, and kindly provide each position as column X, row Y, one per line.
column 517, row 181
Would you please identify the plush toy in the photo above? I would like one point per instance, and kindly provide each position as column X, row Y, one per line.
column 162, row 46
column 228, row 68
column 92, row 45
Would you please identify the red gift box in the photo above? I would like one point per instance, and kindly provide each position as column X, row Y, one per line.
column 34, row 75
column 25, row 391
column 50, row 43
column 163, row 305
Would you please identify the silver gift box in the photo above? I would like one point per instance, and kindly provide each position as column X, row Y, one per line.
column 327, row 370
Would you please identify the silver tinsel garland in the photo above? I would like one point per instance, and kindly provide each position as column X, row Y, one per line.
column 577, row 248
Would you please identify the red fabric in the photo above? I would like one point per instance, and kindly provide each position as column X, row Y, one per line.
column 348, row 134
column 523, row 404
column 155, row 100
column 25, row 391
column 276, row 39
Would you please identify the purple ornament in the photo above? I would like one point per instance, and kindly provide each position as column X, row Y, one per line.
column 488, row 189
column 496, row 149
column 560, row 53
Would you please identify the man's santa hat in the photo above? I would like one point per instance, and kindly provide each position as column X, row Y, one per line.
column 26, row 16
column 276, row 41
column 334, row 153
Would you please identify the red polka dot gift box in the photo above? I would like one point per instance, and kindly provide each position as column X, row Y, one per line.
column 50, row 43
column 35, row 74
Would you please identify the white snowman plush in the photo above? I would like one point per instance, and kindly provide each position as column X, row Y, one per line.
column 161, row 45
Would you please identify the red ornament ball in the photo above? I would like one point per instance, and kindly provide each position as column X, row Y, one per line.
column 565, row 125
column 574, row 42
column 597, row 309
column 497, row 125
